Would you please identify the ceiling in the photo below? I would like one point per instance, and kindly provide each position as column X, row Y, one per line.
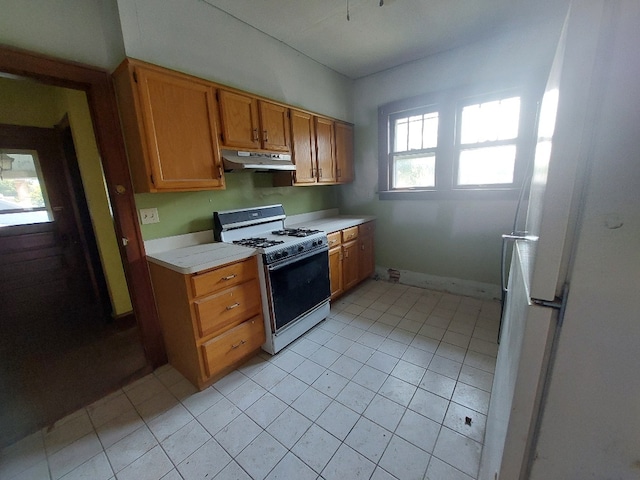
column 380, row 37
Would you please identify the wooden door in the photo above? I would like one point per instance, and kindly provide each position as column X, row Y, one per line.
column 303, row 146
column 43, row 266
column 325, row 153
column 179, row 119
column 239, row 118
column 350, row 264
column 344, row 152
column 274, row 123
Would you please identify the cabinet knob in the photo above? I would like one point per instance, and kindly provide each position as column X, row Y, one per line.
column 241, row 342
column 231, row 307
column 229, row 277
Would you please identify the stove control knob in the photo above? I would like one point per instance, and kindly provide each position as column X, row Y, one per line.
column 285, row 253
column 300, row 248
column 277, row 255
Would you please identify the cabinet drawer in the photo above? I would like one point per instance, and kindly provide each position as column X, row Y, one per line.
column 224, row 277
column 366, row 228
column 349, row 234
column 227, row 308
column 333, row 239
column 233, row 345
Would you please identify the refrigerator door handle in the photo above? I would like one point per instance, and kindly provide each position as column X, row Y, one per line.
column 506, row 239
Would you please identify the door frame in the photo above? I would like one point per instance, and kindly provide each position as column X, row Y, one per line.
column 97, row 85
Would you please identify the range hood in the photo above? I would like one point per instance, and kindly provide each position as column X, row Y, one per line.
column 235, row 160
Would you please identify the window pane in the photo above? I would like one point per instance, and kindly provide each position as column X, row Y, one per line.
column 414, row 170
column 430, row 131
column 22, row 200
column 417, row 132
column 490, row 121
column 487, row 166
column 400, row 135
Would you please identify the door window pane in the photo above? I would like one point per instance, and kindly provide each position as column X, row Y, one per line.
column 23, row 196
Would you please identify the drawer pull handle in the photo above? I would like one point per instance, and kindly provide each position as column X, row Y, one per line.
column 229, row 277
column 241, row 342
column 231, row 307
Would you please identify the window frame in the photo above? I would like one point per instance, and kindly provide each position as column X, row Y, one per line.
column 449, row 105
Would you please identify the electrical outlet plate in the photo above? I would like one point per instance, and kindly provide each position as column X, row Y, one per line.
column 149, row 215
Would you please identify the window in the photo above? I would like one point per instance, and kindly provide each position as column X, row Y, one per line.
column 23, row 199
column 452, row 144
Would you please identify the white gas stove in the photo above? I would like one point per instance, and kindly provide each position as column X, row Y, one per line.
column 294, row 276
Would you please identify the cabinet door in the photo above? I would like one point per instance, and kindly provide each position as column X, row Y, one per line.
column 325, row 153
column 303, row 146
column 239, row 118
column 274, row 124
column 350, row 264
column 179, row 123
column 366, row 260
column 344, row 152
column 335, row 271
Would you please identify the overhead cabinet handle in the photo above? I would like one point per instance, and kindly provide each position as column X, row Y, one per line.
column 255, row 134
column 266, row 136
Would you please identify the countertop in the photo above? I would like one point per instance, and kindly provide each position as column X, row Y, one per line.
column 207, row 255
column 197, row 258
column 333, row 224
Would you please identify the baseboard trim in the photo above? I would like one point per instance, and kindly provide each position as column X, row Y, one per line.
column 457, row 286
column 124, row 320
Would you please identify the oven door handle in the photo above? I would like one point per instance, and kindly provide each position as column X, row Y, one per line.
column 283, row 263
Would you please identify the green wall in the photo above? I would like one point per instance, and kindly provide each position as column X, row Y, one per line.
column 29, row 103
column 189, row 212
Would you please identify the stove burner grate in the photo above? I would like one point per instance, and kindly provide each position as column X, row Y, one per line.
column 296, row 232
column 257, row 242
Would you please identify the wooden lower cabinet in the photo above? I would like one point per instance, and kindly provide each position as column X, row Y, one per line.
column 212, row 320
column 335, row 264
column 351, row 257
column 366, row 255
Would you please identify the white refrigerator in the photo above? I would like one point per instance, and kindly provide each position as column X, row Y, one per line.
column 565, row 402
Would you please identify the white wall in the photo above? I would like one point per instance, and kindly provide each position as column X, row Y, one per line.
column 85, row 31
column 193, row 37
column 591, row 421
column 442, row 238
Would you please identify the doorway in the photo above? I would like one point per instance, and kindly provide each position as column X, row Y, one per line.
column 59, row 347
column 96, row 84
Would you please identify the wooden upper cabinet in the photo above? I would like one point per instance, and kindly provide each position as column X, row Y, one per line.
column 253, row 124
column 240, row 121
column 274, row 124
column 325, row 150
column 303, row 146
column 344, row 152
column 170, row 129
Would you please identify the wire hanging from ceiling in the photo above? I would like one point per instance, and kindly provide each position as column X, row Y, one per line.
column 348, row 14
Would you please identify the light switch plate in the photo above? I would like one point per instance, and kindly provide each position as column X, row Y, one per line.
column 149, row 215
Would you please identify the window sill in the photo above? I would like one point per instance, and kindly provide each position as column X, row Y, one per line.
column 458, row 194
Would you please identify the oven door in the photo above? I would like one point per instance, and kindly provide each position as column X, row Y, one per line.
column 296, row 286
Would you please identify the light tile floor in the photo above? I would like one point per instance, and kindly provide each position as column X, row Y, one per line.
column 395, row 384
